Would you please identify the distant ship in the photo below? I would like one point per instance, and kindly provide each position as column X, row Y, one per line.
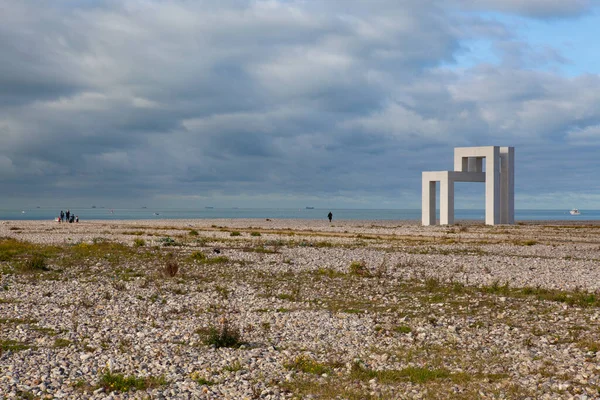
column 208, row 207
column 93, row 206
column 310, row 208
column 574, row 212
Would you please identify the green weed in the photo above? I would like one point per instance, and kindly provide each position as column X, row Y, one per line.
column 118, row 382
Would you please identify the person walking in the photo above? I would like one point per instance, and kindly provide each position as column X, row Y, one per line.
column 330, row 216
column 62, row 215
column 68, row 215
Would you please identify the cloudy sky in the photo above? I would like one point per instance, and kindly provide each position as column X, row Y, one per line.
column 287, row 103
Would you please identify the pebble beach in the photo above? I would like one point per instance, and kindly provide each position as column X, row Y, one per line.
column 316, row 310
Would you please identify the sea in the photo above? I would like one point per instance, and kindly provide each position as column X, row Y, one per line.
column 45, row 213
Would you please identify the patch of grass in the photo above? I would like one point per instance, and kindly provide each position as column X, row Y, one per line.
column 193, row 232
column 118, row 382
column 260, row 249
column 18, row 321
column 81, row 385
column 329, row 272
column 216, row 260
column 317, row 388
column 266, row 326
column 235, row 233
column 26, row 395
column 200, row 380
column 11, row 249
column 101, row 248
column 198, row 256
column 496, row 288
column 412, row 374
column 286, row 296
column 127, row 274
column 525, row 242
column 573, row 298
column 179, row 291
column 59, row 343
column 235, row 367
column 589, row 345
column 223, row 335
column 138, row 242
column 359, row 268
column 308, row 365
column 403, row 329
column 255, row 234
column 13, row 345
column 223, row 291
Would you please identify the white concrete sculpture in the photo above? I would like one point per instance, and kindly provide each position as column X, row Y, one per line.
column 499, row 178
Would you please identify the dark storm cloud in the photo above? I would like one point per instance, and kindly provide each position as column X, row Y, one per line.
column 145, row 99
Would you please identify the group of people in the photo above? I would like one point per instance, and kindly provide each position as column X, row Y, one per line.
column 67, row 217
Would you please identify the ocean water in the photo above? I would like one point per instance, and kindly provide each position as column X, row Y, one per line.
column 287, row 213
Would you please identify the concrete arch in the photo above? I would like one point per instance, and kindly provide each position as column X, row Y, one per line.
column 499, row 179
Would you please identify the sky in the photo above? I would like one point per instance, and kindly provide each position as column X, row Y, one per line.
column 293, row 103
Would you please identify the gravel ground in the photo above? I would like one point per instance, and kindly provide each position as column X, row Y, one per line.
column 352, row 309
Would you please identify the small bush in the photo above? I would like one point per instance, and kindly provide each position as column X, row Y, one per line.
column 193, row 232
column 171, row 266
column 359, row 268
column 139, row 242
column 36, row 263
column 235, row 233
column 224, row 335
column 255, row 234
column 432, row 284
